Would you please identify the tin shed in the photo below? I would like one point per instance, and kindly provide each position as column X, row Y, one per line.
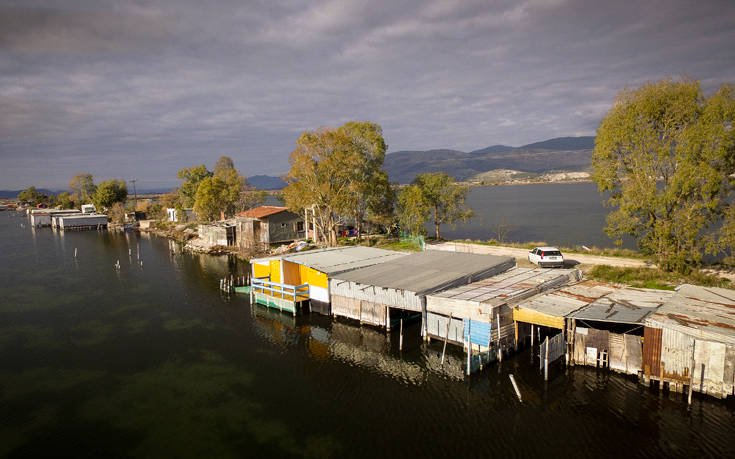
column 690, row 341
column 489, row 300
column 309, row 272
column 369, row 294
column 609, row 331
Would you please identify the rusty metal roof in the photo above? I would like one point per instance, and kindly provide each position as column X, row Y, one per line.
column 262, row 211
column 511, row 286
column 624, row 305
column 566, row 300
column 703, row 312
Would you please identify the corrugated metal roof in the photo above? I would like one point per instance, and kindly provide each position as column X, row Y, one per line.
column 511, row 285
column 340, row 259
column 429, row 271
column 702, row 312
column 625, row 306
column 566, row 300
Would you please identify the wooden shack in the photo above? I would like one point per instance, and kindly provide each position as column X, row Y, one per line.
column 452, row 314
column 43, row 217
column 82, row 222
column 262, row 226
column 690, row 341
column 380, row 295
column 608, row 332
column 288, row 280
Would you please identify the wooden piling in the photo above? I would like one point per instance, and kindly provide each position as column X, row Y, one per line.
column 500, row 351
column 446, row 337
column 400, row 339
column 515, row 387
column 546, row 360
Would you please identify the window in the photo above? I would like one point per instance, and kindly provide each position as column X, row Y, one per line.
column 299, row 226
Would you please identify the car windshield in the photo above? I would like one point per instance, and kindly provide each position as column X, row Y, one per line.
column 552, row 253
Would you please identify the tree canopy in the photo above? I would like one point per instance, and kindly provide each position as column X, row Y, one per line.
column 82, row 187
column 433, row 195
column 665, row 153
column 108, row 193
column 211, row 193
column 208, row 199
column 338, row 173
column 191, row 177
column 30, row 195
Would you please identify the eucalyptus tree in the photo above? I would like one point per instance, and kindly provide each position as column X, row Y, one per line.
column 445, row 199
column 665, row 154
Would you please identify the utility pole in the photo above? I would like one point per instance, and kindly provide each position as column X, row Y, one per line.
column 135, row 193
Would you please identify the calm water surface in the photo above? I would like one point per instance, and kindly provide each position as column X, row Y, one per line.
column 565, row 214
column 153, row 361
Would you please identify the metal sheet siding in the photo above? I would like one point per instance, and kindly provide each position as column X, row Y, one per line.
column 437, row 326
column 652, row 351
column 401, row 299
column 477, row 332
column 676, row 356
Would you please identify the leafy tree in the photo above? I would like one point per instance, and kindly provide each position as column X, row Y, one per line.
column 234, row 184
column 444, row 197
column 331, row 173
column 64, row 199
column 413, row 210
column 82, row 187
column 108, row 193
column 208, row 201
column 191, row 177
column 30, row 195
column 664, row 152
column 370, row 194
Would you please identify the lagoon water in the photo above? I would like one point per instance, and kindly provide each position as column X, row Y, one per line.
column 154, row 361
column 564, row 214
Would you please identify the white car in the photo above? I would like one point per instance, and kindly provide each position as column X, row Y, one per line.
column 548, row 257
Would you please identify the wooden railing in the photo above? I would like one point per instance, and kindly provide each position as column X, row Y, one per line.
column 294, row 293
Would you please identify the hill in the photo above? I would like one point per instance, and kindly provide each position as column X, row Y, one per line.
column 266, row 182
column 558, row 154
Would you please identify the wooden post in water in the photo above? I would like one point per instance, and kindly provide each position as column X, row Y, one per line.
column 469, row 347
column 531, row 343
column 75, row 252
column 446, row 337
column 546, row 360
column 500, row 351
column 515, row 387
column 400, row 340
column 691, row 376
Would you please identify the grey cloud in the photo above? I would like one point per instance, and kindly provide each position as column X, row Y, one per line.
column 142, row 89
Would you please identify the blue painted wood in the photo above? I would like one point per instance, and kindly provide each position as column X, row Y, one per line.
column 480, row 332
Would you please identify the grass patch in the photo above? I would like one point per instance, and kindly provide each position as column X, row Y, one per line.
column 401, row 246
column 653, row 278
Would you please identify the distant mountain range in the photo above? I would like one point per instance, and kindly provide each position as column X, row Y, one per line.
column 266, row 182
column 559, row 154
column 568, row 154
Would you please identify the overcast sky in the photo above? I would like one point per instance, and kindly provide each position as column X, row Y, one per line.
column 137, row 90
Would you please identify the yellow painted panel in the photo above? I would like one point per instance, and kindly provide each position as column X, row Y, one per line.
column 291, row 273
column 261, row 270
column 317, row 278
column 538, row 318
column 275, row 271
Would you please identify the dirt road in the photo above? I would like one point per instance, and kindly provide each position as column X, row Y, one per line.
column 521, row 255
